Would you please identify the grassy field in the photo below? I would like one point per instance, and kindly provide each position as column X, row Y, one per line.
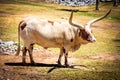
column 107, row 33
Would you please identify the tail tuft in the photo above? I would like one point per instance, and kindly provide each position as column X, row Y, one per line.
column 18, row 51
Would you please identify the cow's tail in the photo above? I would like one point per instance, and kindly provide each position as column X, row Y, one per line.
column 18, row 49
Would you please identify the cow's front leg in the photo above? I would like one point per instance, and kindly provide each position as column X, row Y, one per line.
column 66, row 57
column 30, row 50
column 60, row 56
column 24, row 50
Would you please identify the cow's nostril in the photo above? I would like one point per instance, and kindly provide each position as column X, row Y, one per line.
column 94, row 41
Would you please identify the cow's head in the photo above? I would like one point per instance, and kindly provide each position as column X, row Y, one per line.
column 85, row 32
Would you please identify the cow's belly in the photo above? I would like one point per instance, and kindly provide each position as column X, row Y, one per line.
column 47, row 43
column 30, row 38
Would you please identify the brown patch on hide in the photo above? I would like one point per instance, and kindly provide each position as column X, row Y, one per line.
column 71, row 40
column 51, row 22
column 45, row 47
column 64, row 50
column 83, row 34
column 22, row 25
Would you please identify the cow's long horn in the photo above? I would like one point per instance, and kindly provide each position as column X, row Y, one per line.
column 95, row 20
column 76, row 25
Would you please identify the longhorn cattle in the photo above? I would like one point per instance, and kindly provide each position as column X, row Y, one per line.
column 68, row 36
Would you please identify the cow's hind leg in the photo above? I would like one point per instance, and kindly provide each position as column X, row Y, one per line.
column 60, row 56
column 24, row 50
column 30, row 50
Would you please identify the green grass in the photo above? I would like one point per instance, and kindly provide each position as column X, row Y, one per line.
column 8, row 28
column 108, row 38
column 99, row 73
column 84, row 75
column 77, row 74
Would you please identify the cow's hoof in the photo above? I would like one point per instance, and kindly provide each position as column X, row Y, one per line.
column 59, row 63
column 66, row 65
column 33, row 63
column 24, row 64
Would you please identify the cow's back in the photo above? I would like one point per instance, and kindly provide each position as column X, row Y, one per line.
column 44, row 33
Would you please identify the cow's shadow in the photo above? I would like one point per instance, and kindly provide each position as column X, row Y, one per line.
column 53, row 66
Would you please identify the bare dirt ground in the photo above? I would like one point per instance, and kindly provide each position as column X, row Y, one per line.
column 41, row 56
